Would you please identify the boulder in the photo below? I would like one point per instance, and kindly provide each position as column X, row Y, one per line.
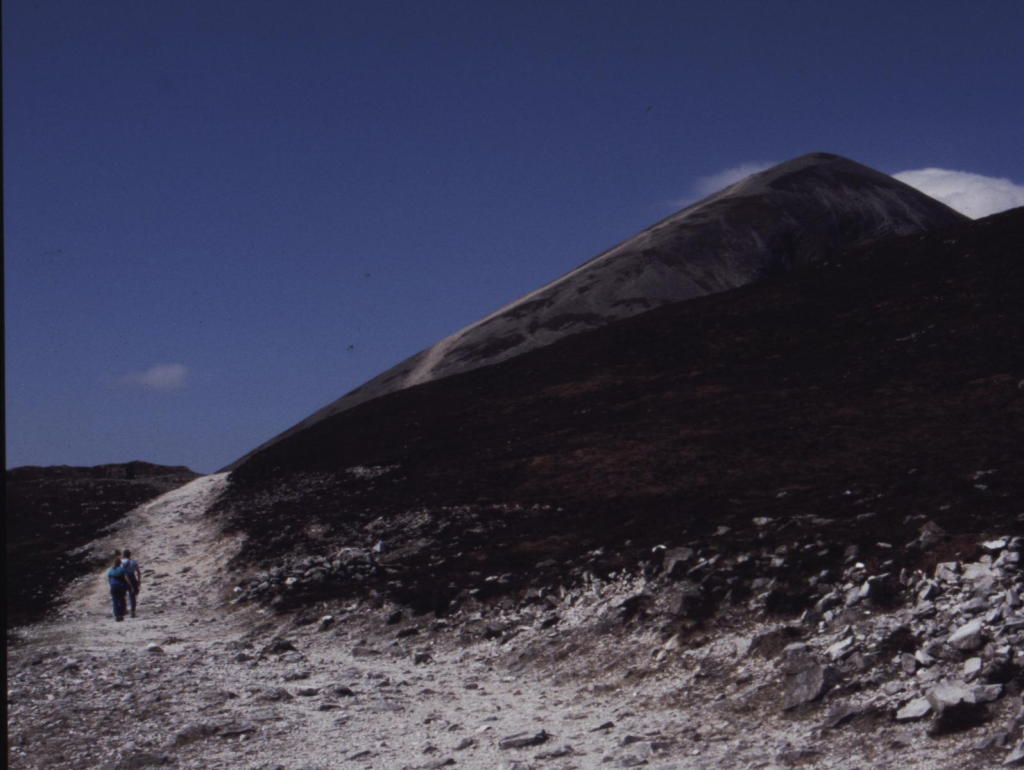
column 956, row 708
column 968, row 637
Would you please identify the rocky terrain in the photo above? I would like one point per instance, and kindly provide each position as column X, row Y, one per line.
column 50, row 512
column 844, row 409
column 885, row 670
column 777, row 526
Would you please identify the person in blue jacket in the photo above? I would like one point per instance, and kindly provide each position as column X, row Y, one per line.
column 117, row 577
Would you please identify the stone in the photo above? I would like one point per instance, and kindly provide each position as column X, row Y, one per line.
column 947, row 571
column 973, row 606
column 949, row 693
column 996, row 545
column 1016, row 756
column 524, row 740
column 631, row 760
column 971, row 668
column 154, row 649
column 968, row 637
column 928, row 591
column 977, row 571
column 986, row 693
column 194, row 732
column 956, row 708
column 931, row 535
column 922, row 657
column 924, row 610
column 277, row 646
column 914, row 710
column 805, row 680
column 1008, row 560
column 828, row 601
column 841, row 713
column 562, row 751
column 840, row 649
column 275, row 694
column 996, row 740
column 234, row 729
column 675, row 561
column 692, row 602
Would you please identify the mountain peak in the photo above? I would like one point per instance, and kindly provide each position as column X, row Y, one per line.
column 790, row 214
column 815, row 169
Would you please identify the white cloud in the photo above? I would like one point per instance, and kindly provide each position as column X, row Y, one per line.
column 708, row 185
column 159, row 377
column 971, row 194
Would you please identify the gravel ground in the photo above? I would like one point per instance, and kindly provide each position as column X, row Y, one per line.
column 197, row 681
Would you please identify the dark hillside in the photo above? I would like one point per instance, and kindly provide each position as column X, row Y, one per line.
column 846, row 403
column 51, row 511
column 788, row 215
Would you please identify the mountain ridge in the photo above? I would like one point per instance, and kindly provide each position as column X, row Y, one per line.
column 787, row 215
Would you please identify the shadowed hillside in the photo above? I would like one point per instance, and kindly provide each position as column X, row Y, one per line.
column 844, row 404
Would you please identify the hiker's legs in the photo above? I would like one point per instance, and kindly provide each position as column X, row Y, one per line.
column 117, row 598
column 133, row 594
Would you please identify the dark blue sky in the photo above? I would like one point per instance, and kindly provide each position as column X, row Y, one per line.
column 220, row 216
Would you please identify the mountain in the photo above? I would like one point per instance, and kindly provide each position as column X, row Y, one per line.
column 53, row 510
column 848, row 402
column 778, row 524
column 789, row 215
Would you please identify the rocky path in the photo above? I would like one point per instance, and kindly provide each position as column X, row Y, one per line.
column 198, row 682
column 181, row 554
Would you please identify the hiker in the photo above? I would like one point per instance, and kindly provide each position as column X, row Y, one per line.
column 118, row 579
column 134, row 575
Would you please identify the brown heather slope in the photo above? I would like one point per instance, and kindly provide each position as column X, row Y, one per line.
column 51, row 511
column 849, row 402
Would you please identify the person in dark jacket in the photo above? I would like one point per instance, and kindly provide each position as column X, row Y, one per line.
column 134, row 575
column 117, row 577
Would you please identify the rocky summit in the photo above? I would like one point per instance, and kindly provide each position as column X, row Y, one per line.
column 776, row 525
